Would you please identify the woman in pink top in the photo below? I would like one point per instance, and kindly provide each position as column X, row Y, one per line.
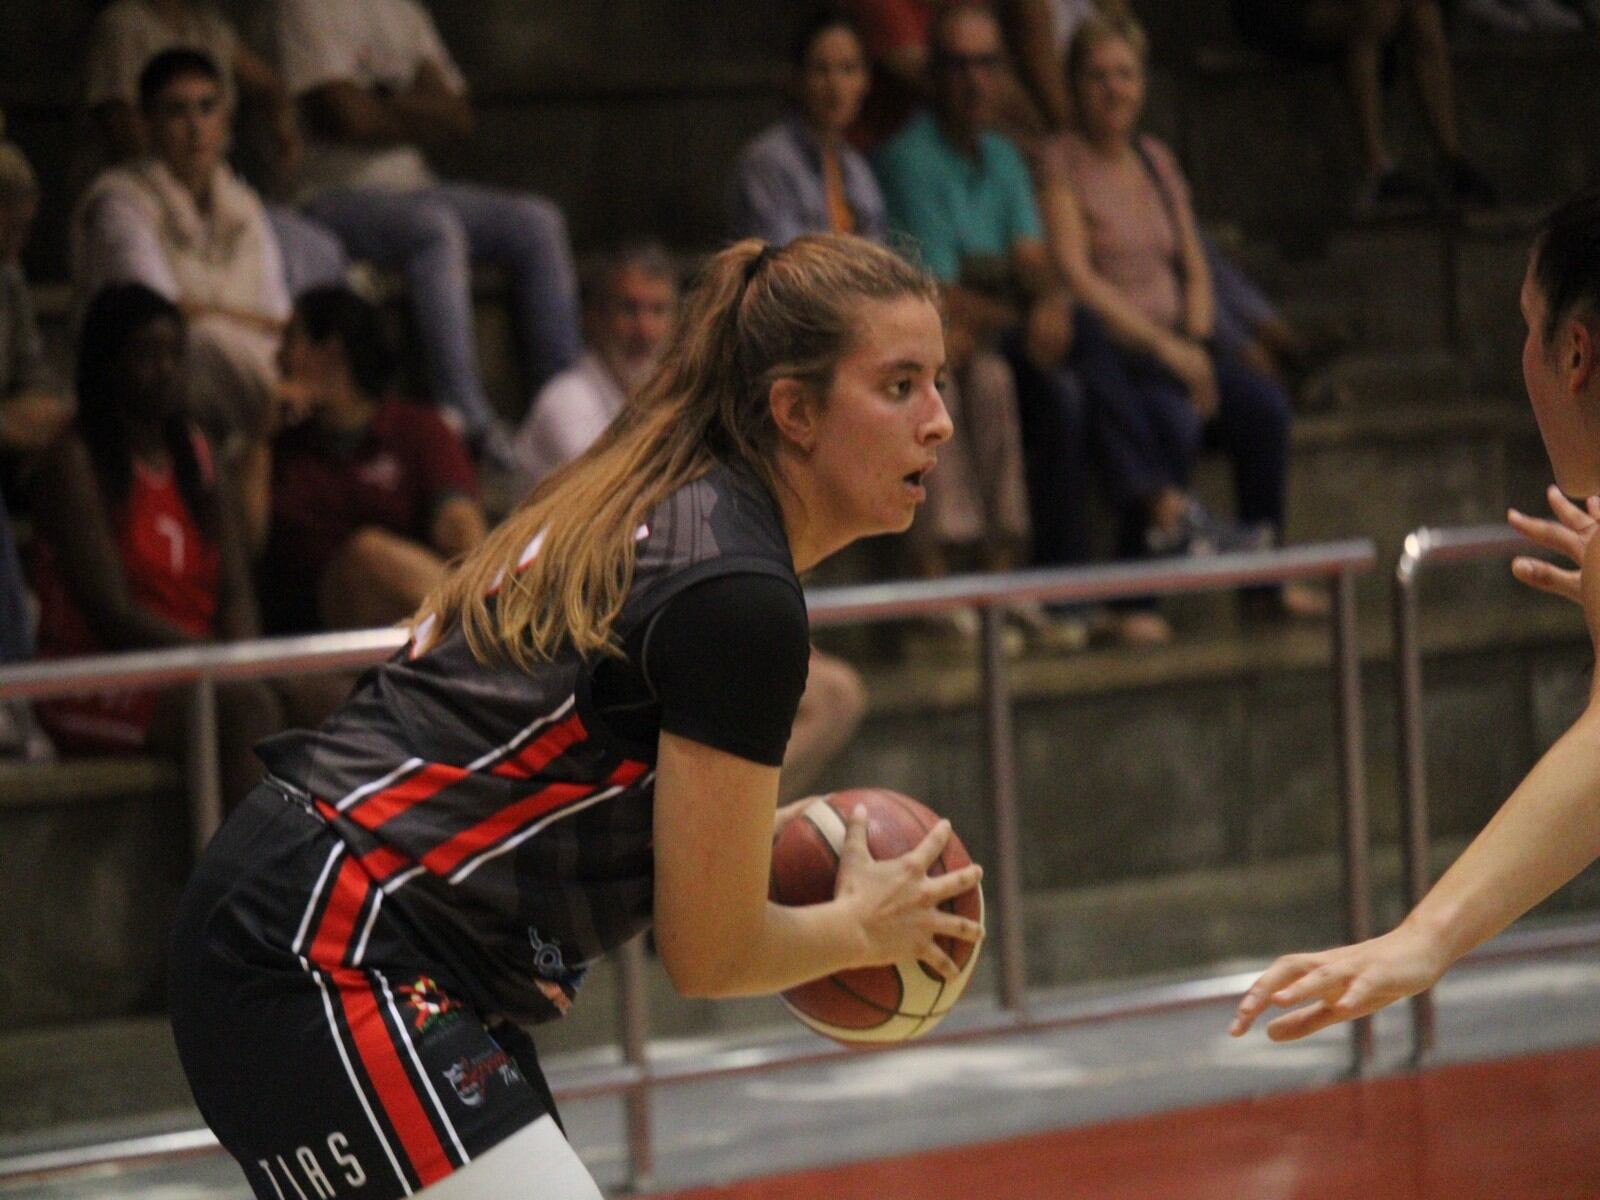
column 1122, row 228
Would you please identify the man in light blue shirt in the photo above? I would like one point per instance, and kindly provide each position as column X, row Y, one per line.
column 960, row 194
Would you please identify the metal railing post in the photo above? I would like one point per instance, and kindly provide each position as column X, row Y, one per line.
column 1415, row 866
column 1000, row 752
column 204, row 763
column 633, row 1013
column 1353, row 789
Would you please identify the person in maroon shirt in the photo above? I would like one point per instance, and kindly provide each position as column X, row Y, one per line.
column 372, row 496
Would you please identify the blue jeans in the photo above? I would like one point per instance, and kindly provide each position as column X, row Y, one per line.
column 16, row 628
column 312, row 255
column 1149, row 435
column 433, row 236
column 1054, row 421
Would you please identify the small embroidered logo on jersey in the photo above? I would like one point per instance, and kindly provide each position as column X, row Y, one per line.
column 470, row 1077
column 428, row 1003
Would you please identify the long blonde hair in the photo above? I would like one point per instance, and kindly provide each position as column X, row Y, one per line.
column 755, row 314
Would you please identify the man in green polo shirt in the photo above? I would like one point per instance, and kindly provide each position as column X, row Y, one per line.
column 960, row 193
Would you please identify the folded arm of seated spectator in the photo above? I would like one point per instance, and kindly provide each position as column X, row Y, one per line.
column 429, row 112
column 457, row 527
column 1127, row 323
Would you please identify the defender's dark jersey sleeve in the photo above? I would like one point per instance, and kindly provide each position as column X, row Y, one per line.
column 727, row 658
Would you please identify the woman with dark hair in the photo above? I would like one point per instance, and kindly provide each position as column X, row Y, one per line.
column 582, row 738
column 371, row 495
column 138, row 541
column 1549, row 829
column 801, row 175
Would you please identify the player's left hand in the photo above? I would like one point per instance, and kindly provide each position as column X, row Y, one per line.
column 1568, row 535
column 1340, row 985
column 1571, row 535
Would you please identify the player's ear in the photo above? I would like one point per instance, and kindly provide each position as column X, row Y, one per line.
column 1579, row 348
column 794, row 412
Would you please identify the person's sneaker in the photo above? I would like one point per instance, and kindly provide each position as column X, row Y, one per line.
column 1063, row 631
column 1199, row 533
column 1466, row 185
column 1395, row 192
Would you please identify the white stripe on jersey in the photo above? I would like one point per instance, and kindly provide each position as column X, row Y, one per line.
column 366, row 930
column 366, row 789
column 501, row 751
column 316, row 894
column 511, row 843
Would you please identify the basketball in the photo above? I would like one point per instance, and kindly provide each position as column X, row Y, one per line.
column 870, row 1004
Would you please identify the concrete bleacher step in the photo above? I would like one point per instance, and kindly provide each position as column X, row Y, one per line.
column 92, row 854
column 1384, row 379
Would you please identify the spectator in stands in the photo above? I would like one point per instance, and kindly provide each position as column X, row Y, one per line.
column 1359, row 33
column 138, row 545
column 372, row 496
column 801, row 176
column 630, row 301
column 33, row 412
column 1125, row 235
column 128, row 34
column 961, row 192
column 180, row 222
column 374, row 84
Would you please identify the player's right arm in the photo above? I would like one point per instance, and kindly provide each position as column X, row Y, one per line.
column 1546, row 833
column 717, row 932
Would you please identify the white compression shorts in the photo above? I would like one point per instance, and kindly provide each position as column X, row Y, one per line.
column 535, row 1163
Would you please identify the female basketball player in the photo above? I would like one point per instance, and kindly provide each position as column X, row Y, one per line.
column 1549, row 829
column 582, row 736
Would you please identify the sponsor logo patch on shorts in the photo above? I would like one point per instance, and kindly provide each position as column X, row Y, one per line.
column 429, row 1004
column 471, row 1077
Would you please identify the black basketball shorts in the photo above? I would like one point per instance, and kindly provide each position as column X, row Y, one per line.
column 328, row 1055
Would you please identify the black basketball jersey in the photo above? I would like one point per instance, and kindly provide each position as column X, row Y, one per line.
column 492, row 807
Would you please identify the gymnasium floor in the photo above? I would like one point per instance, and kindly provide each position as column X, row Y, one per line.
column 1152, row 1107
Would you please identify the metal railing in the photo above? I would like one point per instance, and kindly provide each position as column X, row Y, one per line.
column 1422, row 549
column 1337, row 563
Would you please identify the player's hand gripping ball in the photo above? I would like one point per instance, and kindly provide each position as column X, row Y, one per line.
column 870, row 1004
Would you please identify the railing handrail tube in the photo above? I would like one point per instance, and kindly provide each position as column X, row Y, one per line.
column 1338, row 562
column 1424, row 547
column 850, row 604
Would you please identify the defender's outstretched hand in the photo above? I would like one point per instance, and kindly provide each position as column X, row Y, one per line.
column 1339, row 985
column 1568, row 535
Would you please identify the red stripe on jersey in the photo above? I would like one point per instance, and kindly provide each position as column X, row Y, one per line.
column 390, row 1082
column 445, row 858
column 345, row 900
column 543, row 750
column 383, row 806
column 510, row 820
column 383, row 863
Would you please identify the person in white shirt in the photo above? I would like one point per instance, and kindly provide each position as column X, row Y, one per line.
column 374, row 84
column 180, row 222
column 628, row 313
column 127, row 35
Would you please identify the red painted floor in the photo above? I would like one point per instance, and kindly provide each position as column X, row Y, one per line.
column 1516, row 1129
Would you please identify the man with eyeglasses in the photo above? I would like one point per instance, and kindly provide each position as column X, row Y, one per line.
column 961, row 192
